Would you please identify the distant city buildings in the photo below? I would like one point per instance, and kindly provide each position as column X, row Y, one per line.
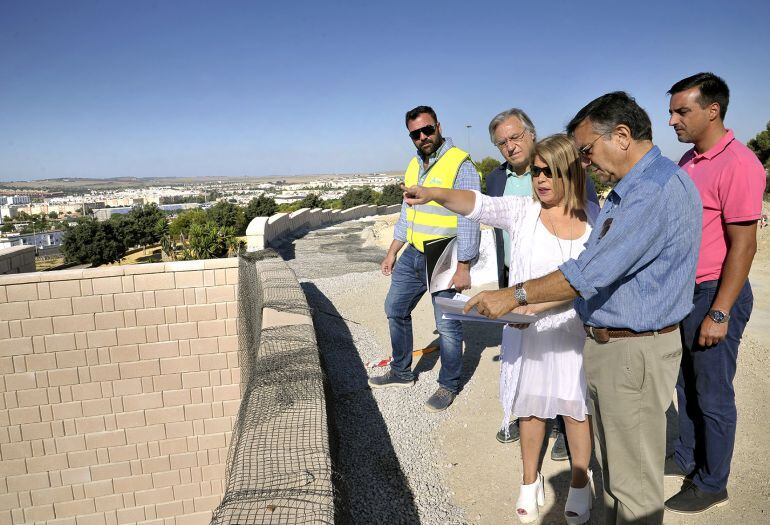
column 15, row 199
column 103, row 214
column 42, row 240
column 104, row 203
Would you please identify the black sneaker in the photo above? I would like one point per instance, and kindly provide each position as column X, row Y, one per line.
column 440, row 400
column 559, row 450
column 388, row 380
column 513, row 433
column 671, row 469
column 692, row 500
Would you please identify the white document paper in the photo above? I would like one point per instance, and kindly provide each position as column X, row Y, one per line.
column 445, row 269
column 452, row 308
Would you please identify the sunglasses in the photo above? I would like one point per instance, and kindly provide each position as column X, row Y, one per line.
column 537, row 170
column 428, row 130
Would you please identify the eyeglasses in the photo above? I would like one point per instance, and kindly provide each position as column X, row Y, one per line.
column 427, row 130
column 537, row 170
column 516, row 139
column 585, row 151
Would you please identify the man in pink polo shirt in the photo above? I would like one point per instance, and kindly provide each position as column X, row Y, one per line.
column 731, row 182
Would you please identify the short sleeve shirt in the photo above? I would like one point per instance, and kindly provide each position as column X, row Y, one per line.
column 731, row 181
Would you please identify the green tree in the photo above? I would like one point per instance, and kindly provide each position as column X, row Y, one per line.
column 93, row 242
column 262, row 206
column 600, row 186
column 209, row 241
column 228, row 215
column 144, row 225
column 53, row 215
column 358, row 196
column 6, row 227
column 391, row 194
column 183, row 221
column 311, row 200
column 760, row 145
column 485, row 167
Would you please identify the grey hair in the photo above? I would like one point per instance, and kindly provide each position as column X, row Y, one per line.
column 505, row 115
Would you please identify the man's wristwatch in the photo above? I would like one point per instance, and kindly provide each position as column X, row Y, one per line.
column 718, row 316
column 520, row 294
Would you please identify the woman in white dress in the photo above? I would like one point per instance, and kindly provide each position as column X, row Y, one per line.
column 542, row 364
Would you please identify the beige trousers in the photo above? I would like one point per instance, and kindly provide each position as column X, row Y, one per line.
column 631, row 385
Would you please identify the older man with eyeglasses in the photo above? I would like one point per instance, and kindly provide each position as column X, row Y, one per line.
column 438, row 163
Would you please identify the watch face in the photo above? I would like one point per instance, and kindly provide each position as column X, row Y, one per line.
column 717, row 316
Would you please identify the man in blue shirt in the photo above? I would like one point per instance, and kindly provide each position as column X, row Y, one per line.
column 632, row 284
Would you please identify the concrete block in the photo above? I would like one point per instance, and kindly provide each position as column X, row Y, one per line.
column 70, row 358
column 16, row 346
column 107, row 285
column 132, row 336
column 61, row 289
column 37, row 362
column 139, row 369
column 43, row 326
column 220, row 294
column 159, row 350
column 59, row 342
column 67, row 509
column 189, row 279
column 129, row 301
column 64, row 376
column 74, row 323
column 81, row 305
column 154, row 281
column 21, row 292
column 183, row 331
column 132, row 419
column 150, row 316
column 51, row 307
column 108, row 320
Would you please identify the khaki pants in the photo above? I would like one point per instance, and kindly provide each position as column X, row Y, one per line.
column 631, row 385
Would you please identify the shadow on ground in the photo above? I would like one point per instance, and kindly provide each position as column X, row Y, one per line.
column 370, row 484
column 477, row 338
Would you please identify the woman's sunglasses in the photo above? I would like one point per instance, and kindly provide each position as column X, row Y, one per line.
column 537, row 170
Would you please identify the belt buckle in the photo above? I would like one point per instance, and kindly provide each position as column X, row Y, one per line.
column 601, row 338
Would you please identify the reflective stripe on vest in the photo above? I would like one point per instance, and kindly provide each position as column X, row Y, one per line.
column 430, row 221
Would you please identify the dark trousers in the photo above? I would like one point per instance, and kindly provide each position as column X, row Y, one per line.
column 707, row 413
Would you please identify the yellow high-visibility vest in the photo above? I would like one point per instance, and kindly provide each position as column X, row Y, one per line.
column 426, row 222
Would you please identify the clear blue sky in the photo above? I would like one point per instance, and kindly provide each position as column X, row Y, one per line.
column 188, row 88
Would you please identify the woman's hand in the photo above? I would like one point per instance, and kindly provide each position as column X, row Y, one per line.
column 416, row 195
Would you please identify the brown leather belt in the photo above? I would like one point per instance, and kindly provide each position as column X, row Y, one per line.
column 603, row 335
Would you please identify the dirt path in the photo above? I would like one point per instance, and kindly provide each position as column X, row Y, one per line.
column 485, row 474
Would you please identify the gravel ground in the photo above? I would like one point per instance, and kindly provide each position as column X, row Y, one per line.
column 398, row 464
column 387, row 466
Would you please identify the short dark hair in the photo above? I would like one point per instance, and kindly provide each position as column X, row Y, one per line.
column 419, row 110
column 712, row 89
column 613, row 109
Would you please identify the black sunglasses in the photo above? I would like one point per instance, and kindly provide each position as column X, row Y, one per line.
column 537, row 170
column 428, row 130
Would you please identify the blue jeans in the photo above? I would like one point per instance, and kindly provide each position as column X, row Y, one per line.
column 407, row 286
column 707, row 413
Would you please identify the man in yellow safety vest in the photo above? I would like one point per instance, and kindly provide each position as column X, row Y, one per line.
column 438, row 163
